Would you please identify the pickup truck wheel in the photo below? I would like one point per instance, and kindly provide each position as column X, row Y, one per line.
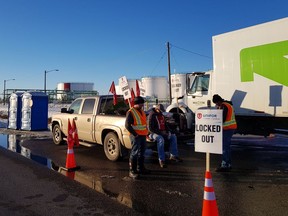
column 57, row 135
column 112, row 146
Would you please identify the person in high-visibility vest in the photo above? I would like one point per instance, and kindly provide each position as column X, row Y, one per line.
column 229, row 127
column 159, row 131
column 136, row 124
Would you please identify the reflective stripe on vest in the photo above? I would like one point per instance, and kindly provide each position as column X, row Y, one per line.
column 139, row 124
column 230, row 122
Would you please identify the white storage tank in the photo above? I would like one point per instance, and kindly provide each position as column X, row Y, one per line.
column 156, row 87
column 132, row 84
column 161, row 87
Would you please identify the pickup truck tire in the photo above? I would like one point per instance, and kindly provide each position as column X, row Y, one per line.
column 57, row 135
column 112, row 146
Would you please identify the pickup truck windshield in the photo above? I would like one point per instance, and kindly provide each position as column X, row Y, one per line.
column 75, row 106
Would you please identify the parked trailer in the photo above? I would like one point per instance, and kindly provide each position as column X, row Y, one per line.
column 251, row 70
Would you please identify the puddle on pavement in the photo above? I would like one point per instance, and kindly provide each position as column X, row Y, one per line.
column 13, row 142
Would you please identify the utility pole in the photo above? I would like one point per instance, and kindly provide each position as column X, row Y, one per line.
column 169, row 73
column 45, row 75
column 4, row 91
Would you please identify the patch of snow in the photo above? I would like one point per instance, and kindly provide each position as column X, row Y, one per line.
column 52, row 109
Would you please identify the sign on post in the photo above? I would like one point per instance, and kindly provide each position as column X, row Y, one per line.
column 124, row 86
column 176, row 86
column 208, row 131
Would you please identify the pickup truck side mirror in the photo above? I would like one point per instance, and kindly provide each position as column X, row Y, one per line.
column 64, row 110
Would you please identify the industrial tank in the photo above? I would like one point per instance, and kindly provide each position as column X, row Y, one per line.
column 155, row 87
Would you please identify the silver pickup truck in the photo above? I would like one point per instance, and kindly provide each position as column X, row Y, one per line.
column 98, row 121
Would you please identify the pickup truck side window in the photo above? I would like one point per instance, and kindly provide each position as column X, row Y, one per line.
column 107, row 107
column 75, row 107
column 88, row 106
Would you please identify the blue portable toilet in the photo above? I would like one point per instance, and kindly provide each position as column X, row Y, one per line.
column 14, row 111
column 34, row 111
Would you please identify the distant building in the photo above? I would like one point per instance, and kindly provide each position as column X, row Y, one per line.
column 67, row 89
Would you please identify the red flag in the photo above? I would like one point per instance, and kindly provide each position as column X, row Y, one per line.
column 70, row 140
column 137, row 89
column 75, row 133
column 113, row 91
column 132, row 97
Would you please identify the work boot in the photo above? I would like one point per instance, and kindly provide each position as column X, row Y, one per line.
column 162, row 164
column 223, row 169
column 133, row 174
column 144, row 171
column 175, row 158
column 141, row 168
column 132, row 169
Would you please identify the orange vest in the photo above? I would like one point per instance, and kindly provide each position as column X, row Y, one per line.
column 140, row 122
column 230, row 122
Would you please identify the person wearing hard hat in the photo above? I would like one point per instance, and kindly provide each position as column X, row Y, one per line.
column 229, row 127
column 160, row 132
column 136, row 124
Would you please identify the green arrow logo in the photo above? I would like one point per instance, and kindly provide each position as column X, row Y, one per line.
column 268, row 60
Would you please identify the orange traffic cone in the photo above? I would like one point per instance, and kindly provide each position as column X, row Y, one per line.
column 75, row 133
column 209, row 202
column 70, row 160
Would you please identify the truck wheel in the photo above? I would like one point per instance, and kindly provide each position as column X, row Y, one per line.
column 112, row 146
column 57, row 135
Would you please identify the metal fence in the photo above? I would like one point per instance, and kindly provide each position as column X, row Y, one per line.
column 60, row 96
column 66, row 97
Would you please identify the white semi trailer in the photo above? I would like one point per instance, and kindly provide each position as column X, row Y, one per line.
column 250, row 68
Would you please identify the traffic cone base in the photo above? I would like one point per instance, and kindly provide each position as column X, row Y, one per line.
column 70, row 174
column 70, row 160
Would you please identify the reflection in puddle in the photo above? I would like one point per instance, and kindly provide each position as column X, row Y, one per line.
column 13, row 142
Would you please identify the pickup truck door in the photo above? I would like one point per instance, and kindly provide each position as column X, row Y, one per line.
column 85, row 118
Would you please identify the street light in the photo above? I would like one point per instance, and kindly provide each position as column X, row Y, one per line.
column 5, row 89
column 45, row 72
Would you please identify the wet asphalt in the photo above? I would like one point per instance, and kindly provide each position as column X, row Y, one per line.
column 256, row 185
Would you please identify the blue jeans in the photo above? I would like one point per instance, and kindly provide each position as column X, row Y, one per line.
column 138, row 150
column 226, row 155
column 173, row 149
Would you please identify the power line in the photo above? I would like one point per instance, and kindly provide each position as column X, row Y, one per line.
column 192, row 52
column 159, row 61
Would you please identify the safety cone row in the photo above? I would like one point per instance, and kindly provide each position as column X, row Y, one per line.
column 209, row 202
column 70, row 160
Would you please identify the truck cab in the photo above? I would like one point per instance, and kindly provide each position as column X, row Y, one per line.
column 198, row 90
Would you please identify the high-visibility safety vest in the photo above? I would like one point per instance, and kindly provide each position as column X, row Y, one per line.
column 140, row 122
column 230, row 122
